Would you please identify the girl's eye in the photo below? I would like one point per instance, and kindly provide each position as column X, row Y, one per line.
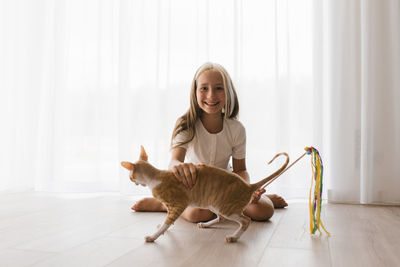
column 220, row 88
column 203, row 88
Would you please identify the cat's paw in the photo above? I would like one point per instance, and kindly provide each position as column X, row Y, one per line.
column 231, row 239
column 149, row 239
column 200, row 225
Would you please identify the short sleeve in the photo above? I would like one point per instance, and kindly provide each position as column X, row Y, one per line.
column 180, row 138
column 239, row 146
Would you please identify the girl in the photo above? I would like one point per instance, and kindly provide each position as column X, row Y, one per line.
column 209, row 133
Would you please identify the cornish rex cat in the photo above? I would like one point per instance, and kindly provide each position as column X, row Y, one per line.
column 223, row 192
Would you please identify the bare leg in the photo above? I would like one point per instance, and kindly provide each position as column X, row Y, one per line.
column 260, row 211
column 196, row 215
column 278, row 201
column 149, row 204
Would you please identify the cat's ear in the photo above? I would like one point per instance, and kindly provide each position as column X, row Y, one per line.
column 128, row 165
column 143, row 155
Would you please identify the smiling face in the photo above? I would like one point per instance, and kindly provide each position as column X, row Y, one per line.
column 210, row 92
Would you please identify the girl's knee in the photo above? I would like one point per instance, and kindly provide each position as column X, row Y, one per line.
column 197, row 215
column 259, row 211
column 268, row 212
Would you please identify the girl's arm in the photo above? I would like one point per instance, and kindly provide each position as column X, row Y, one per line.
column 184, row 172
column 178, row 157
column 239, row 167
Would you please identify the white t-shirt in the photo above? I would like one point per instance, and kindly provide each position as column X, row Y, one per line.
column 215, row 149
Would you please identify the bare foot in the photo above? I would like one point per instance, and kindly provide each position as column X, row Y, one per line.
column 148, row 204
column 278, row 201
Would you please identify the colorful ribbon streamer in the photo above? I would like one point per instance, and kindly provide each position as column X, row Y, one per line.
column 315, row 197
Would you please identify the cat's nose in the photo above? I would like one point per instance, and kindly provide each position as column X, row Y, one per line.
column 133, row 180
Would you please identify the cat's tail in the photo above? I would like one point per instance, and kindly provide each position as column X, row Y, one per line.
column 279, row 171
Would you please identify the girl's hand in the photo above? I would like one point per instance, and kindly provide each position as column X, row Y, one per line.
column 257, row 195
column 185, row 173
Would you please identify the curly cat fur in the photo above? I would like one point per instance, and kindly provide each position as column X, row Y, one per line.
column 221, row 191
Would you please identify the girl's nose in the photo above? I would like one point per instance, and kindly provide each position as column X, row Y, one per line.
column 211, row 93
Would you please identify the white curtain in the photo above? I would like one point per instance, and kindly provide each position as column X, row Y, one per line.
column 85, row 83
column 59, row 95
column 359, row 46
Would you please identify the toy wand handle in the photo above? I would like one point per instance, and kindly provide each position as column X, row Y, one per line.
column 270, row 181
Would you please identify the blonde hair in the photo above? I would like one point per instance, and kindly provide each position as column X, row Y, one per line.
column 188, row 120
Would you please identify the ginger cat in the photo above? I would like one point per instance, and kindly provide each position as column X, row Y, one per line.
column 223, row 192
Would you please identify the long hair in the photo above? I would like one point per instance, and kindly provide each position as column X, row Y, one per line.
column 188, row 120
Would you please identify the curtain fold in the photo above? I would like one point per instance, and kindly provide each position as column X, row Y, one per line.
column 84, row 83
column 363, row 63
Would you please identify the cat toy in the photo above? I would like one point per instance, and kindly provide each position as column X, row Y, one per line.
column 315, row 196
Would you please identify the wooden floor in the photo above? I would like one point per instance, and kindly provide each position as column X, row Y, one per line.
column 41, row 229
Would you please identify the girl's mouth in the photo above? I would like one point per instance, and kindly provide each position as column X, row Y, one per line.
column 211, row 104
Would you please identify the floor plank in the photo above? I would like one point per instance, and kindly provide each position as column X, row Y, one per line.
column 20, row 258
column 364, row 235
column 42, row 229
